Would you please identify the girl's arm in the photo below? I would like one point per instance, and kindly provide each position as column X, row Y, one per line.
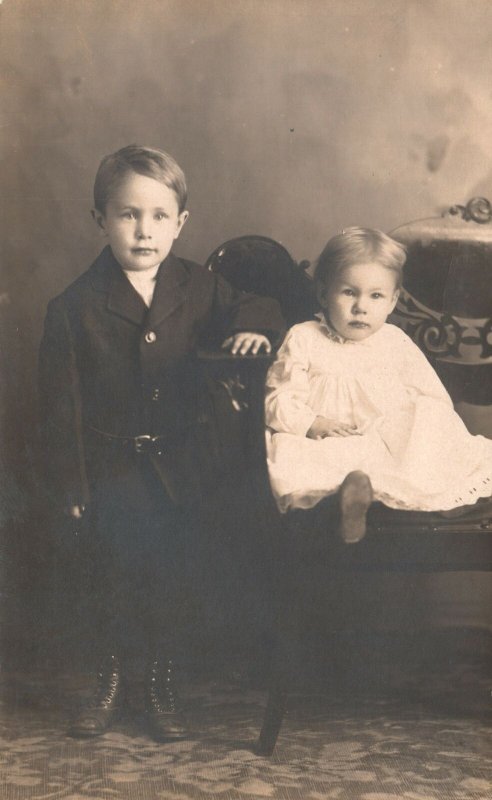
column 287, row 388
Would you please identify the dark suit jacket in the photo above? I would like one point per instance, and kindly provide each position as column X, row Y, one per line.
column 107, row 362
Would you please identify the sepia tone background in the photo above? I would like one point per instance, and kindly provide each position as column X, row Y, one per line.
column 291, row 119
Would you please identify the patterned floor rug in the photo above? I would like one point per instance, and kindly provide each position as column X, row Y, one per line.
column 423, row 732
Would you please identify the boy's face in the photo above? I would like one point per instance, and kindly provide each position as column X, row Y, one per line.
column 141, row 221
column 358, row 301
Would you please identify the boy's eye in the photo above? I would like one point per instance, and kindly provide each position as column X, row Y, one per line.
column 128, row 215
column 348, row 292
column 159, row 216
column 376, row 295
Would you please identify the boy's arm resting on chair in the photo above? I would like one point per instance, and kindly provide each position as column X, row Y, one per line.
column 249, row 323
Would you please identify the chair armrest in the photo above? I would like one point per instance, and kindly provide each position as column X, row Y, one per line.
column 242, row 376
column 225, row 357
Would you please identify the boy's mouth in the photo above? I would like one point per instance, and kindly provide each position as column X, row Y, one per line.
column 143, row 250
column 358, row 324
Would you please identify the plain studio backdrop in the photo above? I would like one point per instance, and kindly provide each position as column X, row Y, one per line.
column 291, row 118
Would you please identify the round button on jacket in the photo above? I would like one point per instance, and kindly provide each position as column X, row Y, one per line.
column 150, row 337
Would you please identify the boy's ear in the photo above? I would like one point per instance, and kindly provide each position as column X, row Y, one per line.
column 181, row 221
column 99, row 219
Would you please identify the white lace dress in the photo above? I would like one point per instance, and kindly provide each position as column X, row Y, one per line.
column 412, row 444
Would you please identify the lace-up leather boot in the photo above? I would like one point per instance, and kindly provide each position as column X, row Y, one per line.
column 162, row 703
column 98, row 715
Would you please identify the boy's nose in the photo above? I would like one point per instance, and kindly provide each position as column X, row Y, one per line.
column 358, row 307
column 143, row 230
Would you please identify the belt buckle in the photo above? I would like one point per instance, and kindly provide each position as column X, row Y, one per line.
column 142, row 442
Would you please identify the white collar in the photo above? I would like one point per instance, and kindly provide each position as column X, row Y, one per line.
column 331, row 332
column 142, row 276
column 144, row 282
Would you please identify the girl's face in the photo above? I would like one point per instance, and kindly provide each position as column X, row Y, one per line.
column 357, row 302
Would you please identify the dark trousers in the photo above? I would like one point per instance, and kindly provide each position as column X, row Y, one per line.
column 146, row 556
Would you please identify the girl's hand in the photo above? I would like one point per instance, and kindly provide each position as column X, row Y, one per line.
column 323, row 427
column 244, row 342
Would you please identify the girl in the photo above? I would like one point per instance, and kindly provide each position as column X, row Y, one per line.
column 353, row 405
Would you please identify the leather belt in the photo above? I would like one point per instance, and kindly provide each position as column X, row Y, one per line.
column 145, row 443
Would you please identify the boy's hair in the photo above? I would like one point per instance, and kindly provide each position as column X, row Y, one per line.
column 146, row 161
column 358, row 246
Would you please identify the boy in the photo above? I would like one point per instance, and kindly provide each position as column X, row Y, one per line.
column 126, row 414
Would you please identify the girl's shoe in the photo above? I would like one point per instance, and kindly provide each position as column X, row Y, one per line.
column 355, row 497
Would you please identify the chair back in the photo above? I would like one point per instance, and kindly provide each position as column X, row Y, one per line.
column 446, row 304
column 260, row 265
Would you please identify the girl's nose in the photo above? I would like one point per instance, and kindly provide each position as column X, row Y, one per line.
column 358, row 307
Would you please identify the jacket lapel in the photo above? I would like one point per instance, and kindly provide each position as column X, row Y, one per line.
column 123, row 299
column 169, row 292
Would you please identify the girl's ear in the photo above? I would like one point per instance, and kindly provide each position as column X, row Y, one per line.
column 99, row 219
column 321, row 293
column 395, row 300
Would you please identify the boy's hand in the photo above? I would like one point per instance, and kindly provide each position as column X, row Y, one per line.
column 76, row 512
column 323, row 427
column 244, row 342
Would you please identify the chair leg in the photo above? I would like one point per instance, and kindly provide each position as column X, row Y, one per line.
column 272, row 722
column 285, row 664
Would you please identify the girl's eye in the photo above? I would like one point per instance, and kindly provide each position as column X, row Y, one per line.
column 376, row 295
column 348, row 292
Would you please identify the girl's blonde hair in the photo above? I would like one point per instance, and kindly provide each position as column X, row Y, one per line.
column 357, row 246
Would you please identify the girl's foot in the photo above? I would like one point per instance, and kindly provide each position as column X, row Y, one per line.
column 355, row 497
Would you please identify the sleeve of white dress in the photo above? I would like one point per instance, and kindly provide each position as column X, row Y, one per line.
column 417, row 373
column 287, row 388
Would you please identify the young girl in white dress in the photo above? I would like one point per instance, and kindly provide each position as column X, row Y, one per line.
column 354, row 406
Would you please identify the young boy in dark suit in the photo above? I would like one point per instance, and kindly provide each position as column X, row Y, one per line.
column 128, row 426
